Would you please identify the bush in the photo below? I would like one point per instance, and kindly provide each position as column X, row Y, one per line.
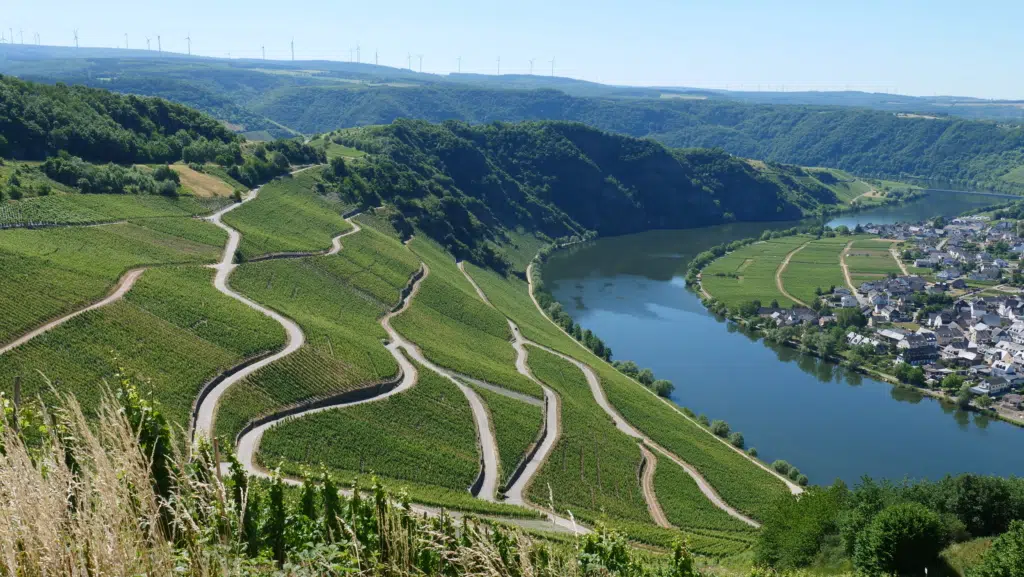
column 703, row 419
column 752, row 452
column 793, row 474
column 736, row 439
column 802, row 480
column 781, row 467
column 902, row 539
column 663, row 387
column 720, row 428
column 1006, row 556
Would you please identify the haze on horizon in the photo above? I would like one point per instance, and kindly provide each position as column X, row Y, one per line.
column 923, row 48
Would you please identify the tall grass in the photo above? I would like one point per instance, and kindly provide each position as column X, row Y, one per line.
column 113, row 496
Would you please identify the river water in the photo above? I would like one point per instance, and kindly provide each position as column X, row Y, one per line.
column 827, row 421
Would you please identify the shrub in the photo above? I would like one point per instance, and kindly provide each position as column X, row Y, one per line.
column 793, row 474
column 736, row 439
column 782, row 467
column 1006, row 556
column 663, row 387
column 901, row 539
column 802, row 480
column 720, row 428
column 752, row 452
column 703, row 419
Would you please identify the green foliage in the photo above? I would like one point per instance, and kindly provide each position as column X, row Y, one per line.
column 288, row 216
column 795, row 531
column 110, row 178
column 687, row 508
column 748, row 273
column 40, row 120
column 901, row 539
column 1006, row 556
column 720, row 428
column 850, row 317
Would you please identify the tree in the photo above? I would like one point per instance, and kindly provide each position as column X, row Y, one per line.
column 850, row 317
column 720, row 428
column 963, row 397
column 782, row 467
column 984, row 401
column 916, row 377
column 902, row 539
column 736, row 439
column 646, row 377
column 843, row 230
column 663, row 387
column 775, row 303
column 1005, row 558
column 952, row 383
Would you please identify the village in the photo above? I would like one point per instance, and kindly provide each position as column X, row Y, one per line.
column 954, row 326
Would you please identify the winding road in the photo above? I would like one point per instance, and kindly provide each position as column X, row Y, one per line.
column 647, row 484
column 782, row 268
column 122, row 287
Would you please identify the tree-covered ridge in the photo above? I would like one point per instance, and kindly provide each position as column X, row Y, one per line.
column 464, row 184
column 38, row 120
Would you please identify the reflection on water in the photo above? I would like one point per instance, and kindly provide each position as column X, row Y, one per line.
column 829, row 421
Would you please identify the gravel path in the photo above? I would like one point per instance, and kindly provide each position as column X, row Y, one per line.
column 782, row 268
column 647, row 484
column 123, row 286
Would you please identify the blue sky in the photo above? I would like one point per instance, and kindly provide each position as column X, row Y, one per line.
column 906, row 46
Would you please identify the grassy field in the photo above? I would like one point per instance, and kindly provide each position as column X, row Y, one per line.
column 173, row 330
column 289, row 217
column 337, row 300
column 870, row 259
column 741, row 483
column 749, row 273
column 815, row 266
column 457, row 330
column 90, row 208
column 49, row 272
column 516, row 426
column 687, row 508
column 593, row 468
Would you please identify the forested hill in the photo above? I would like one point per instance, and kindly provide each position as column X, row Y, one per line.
column 866, row 142
column 39, row 120
column 463, row 184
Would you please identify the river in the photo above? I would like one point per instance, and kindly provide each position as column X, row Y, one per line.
column 827, row 421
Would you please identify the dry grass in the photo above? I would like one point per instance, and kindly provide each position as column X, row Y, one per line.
column 202, row 185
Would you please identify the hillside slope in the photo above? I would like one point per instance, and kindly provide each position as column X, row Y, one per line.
column 465, row 184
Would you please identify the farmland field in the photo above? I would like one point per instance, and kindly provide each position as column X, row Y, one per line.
column 49, row 272
column 687, row 508
column 337, row 300
column 455, row 329
column 201, row 184
column 516, row 426
column 593, row 468
column 173, row 330
column 289, row 217
column 424, row 436
column 90, row 208
column 748, row 273
column 815, row 266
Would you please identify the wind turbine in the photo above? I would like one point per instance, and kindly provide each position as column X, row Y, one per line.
column 375, row 60
column 293, row 49
column 76, row 37
column 409, row 57
column 126, row 41
column 359, row 56
column 21, row 33
column 263, row 49
column 158, row 47
column 421, row 62
column 531, row 66
column 552, row 66
column 147, row 43
column 499, row 66
column 460, row 64
column 189, row 40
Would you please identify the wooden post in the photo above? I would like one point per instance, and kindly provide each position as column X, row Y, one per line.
column 17, row 400
column 216, row 459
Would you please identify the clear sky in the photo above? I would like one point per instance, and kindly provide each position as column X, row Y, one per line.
column 920, row 47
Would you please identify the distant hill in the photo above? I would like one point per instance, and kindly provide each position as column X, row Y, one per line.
column 869, row 134
column 465, row 184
